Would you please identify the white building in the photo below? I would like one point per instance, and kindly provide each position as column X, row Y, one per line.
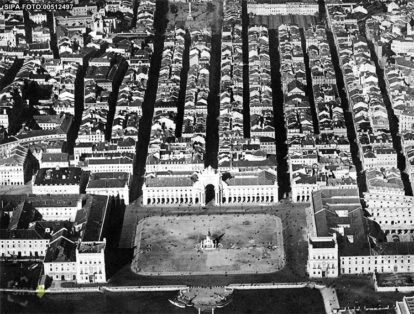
column 114, row 184
column 385, row 157
column 12, row 167
column 57, row 207
column 93, row 136
column 22, row 243
column 249, row 187
column 406, row 120
column 49, row 122
column 57, row 181
column 305, row 183
column 60, row 260
column 403, row 46
column 399, row 260
column 323, row 257
column 38, row 17
column 120, row 164
column 90, row 262
column 4, row 118
column 83, row 262
column 394, row 213
column 406, row 306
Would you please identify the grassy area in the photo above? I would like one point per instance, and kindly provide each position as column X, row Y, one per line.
column 171, row 245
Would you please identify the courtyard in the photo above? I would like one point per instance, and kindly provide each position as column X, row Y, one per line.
column 170, row 245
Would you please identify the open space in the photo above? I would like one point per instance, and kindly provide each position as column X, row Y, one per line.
column 248, row 243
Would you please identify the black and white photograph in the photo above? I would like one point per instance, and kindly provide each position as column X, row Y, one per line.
column 206, row 156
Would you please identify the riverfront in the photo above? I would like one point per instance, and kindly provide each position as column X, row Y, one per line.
column 244, row 301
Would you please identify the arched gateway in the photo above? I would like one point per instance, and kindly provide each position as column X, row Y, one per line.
column 208, row 186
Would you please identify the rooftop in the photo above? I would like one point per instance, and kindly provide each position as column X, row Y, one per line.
column 61, row 250
column 55, row 157
column 261, row 178
column 169, row 181
column 27, row 234
column 91, row 247
column 95, row 207
column 58, row 176
column 108, row 180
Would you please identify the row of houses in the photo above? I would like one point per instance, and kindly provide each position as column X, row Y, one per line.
column 132, row 90
column 330, row 115
column 298, row 114
column 260, row 91
column 197, row 90
column 343, row 239
column 246, row 172
column 168, row 153
column 231, row 130
column 367, row 106
column 170, row 72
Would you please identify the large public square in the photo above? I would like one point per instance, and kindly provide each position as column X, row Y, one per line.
column 247, row 243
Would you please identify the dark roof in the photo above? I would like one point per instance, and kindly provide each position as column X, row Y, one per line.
column 168, row 181
column 61, row 250
column 323, row 244
column 91, row 247
column 394, row 248
column 19, row 234
column 97, row 207
column 55, row 157
column 262, row 178
column 58, row 176
column 327, row 222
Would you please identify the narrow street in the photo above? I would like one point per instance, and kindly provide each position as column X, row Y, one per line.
column 144, row 133
column 246, row 91
column 349, row 121
column 183, row 86
column 213, row 100
column 309, row 86
column 393, row 120
column 279, row 116
column 122, row 65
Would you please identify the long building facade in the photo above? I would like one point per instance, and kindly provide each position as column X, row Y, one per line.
column 200, row 188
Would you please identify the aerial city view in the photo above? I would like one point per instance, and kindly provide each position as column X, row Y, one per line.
column 207, row 156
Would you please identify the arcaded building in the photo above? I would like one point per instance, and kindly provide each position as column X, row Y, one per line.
column 200, row 188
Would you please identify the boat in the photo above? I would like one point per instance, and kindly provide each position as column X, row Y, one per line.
column 177, row 302
column 224, row 302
